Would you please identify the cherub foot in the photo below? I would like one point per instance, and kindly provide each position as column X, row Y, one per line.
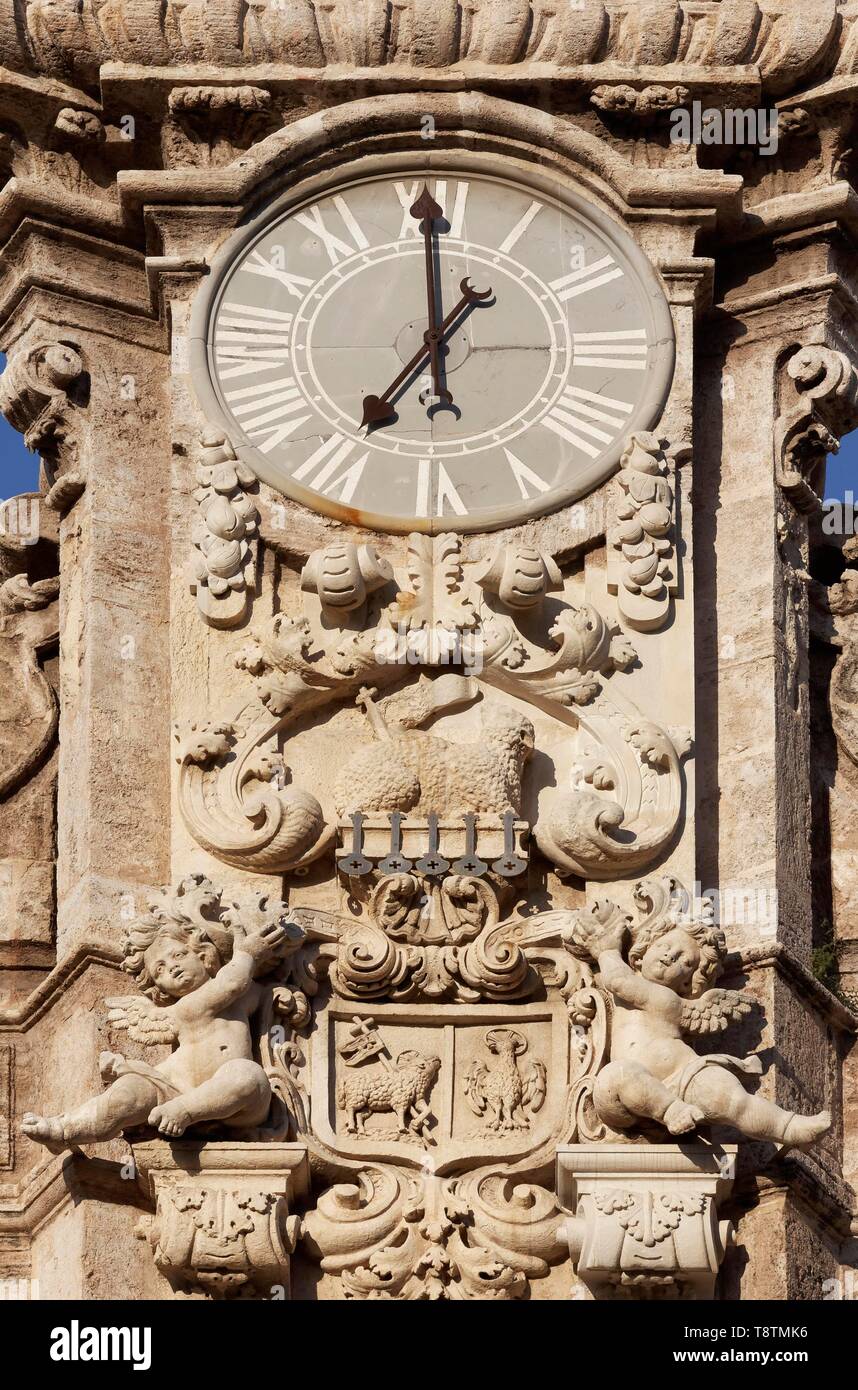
column 45, row 1131
column 171, row 1118
column 680, row 1117
column 802, row 1130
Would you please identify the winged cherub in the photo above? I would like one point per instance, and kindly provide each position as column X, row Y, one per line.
column 199, row 991
column 661, row 989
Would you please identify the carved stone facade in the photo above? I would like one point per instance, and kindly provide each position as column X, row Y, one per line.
column 439, row 829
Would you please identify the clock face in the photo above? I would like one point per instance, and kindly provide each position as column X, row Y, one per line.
column 449, row 351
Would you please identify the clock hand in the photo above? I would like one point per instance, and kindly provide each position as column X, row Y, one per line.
column 377, row 410
column 426, row 210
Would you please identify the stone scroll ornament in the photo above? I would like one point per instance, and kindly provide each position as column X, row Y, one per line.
column 818, row 405
column 222, row 573
column 44, row 392
column 616, row 804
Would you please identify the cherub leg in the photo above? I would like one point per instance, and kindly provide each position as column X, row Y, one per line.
column 238, row 1092
column 724, row 1099
column 626, row 1092
column 124, row 1104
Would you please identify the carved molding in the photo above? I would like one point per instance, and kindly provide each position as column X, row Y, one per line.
column 209, row 126
column 818, row 405
column 786, row 45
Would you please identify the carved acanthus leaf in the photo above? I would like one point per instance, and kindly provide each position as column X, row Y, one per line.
column 43, row 393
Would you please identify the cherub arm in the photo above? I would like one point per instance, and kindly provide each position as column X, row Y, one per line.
column 714, row 1011
column 235, row 978
column 617, row 976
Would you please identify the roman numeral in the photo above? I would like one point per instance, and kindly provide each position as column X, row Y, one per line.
column 520, row 227
column 319, row 469
column 295, row 285
column 445, row 493
column 336, row 248
column 454, row 207
column 587, row 278
column 268, row 408
column 524, row 476
column 574, row 412
column 249, row 339
column 625, row 349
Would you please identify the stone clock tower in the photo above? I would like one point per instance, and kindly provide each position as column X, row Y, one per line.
column 428, row 755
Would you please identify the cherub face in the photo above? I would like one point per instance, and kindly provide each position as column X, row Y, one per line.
column 174, row 967
column 672, row 960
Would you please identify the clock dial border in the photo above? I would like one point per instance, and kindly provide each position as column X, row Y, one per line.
column 429, row 165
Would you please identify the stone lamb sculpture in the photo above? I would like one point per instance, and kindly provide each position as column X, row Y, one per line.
column 199, row 992
column 660, row 990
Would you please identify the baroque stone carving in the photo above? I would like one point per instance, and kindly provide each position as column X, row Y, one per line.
column 818, row 405
column 222, row 573
column 209, row 126
column 641, row 565
column 242, row 812
column 646, row 1221
column 505, row 1094
column 392, row 1235
column 223, row 1225
column 659, row 975
column 196, row 963
column 399, row 1086
column 784, row 45
column 42, row 392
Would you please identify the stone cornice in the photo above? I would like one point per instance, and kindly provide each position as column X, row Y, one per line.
column 788, row 43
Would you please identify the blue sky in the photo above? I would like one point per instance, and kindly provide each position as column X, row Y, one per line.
column 19, row 470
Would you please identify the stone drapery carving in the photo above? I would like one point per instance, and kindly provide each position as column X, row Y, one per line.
column 819, row 404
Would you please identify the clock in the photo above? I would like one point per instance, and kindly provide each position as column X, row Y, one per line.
column 433, row 348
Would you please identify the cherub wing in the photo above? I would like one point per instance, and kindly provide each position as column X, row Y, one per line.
column 143, row 1020
column 714, row 1011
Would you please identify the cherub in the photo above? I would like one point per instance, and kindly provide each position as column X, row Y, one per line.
column 190, row 997
column 660, row 992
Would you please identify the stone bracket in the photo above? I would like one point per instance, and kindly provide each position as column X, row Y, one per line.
column 645, row 1221
column 222, row 1224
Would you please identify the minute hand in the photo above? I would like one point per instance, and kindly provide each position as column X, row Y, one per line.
column 377, row 410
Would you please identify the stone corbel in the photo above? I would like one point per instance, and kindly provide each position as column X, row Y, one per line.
column 210, row 125
column 42, row 391
column 818, row 405
column 642, row 568
column 223, row 571
column 645, row 1221
column 223, row 1225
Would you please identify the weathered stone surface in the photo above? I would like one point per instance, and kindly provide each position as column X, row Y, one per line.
column 421, row 793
